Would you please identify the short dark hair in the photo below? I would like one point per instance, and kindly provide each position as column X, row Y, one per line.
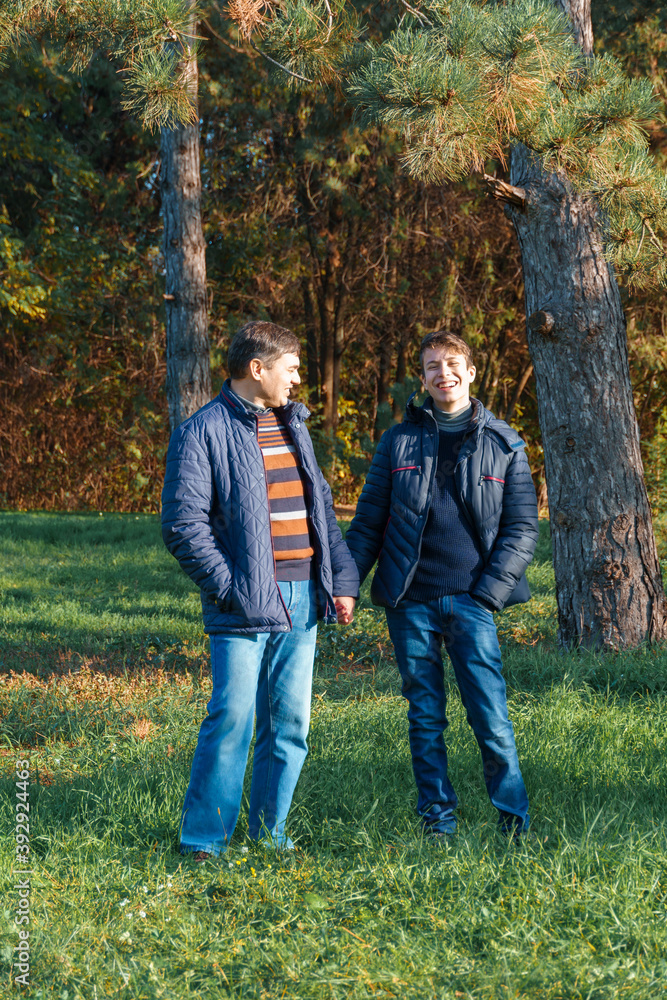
column 258, row 339
column 443, row 338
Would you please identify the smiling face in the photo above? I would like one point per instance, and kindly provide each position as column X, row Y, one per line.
column 272, row 386
column 447, row 378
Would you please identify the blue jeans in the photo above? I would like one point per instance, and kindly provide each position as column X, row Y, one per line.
column 468, row 630
column 269, row 673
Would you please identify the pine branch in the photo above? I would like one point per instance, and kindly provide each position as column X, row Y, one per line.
column 523, row 79
column 140, row 35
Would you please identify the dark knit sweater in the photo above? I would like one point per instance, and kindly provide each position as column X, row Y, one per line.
column 450, row 559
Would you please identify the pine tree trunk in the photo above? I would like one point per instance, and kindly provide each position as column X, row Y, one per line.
column 188, row 351
column 608, row 580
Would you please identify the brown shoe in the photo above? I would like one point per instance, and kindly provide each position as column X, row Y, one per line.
column 197, row 856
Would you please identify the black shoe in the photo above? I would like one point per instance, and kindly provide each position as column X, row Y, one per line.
column 524, row 838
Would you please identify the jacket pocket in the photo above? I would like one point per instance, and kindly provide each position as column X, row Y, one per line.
column 491, row 479
column 222, row 603
column 407, row 468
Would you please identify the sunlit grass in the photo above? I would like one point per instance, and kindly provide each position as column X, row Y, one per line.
column 105, row 683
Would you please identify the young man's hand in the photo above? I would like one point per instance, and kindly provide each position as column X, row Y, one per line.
column 344, row 609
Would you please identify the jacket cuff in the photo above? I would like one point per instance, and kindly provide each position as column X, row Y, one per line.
column 346, row 586
column 487, row 602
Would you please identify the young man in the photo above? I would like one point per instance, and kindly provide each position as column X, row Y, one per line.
column 449, row 511
column 249, row 516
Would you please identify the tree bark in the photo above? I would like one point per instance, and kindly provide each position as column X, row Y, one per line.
column 521, row 384
column 608, row 581
column 383, row 377
column 311, row 342
column 327, row 309
column 339, row 348
column 188, row 350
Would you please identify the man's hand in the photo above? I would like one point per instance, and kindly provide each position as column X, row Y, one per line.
column 344, row 609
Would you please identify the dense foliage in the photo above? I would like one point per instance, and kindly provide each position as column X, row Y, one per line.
column 81, row 353
column 463, row 81
column 308, row 220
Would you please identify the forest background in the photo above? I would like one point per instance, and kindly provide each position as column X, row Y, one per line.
column 308, row 222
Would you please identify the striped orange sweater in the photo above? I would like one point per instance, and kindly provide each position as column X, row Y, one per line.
column 287, row 503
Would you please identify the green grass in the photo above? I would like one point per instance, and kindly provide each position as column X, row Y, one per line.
column 104, row 683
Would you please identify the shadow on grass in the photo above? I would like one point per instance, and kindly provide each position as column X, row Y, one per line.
column 44, row 657
column 72, row 697
column 74, row 529
column 528, row 670
column 347, row 796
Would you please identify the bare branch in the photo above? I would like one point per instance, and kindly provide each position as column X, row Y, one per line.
column 275, row 62
column 326, row 4
column 415, row 13
column 234, row 48
column 506, row 192
column 541, row 322
column 654, row 239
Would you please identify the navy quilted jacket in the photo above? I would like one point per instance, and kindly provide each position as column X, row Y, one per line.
column 496, row 488
column 215, row 519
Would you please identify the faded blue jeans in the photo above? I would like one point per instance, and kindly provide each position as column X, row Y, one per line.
column 469, row 633
column 270, row 674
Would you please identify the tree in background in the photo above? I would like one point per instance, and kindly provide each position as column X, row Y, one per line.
column 83, row 383
column 156, row 46
column 81, row 353
column 466, row 82
column 188, row 349
column 635, row 32
column 315, row 221
column 571, row 113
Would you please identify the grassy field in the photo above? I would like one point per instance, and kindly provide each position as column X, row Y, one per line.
column 103, row 684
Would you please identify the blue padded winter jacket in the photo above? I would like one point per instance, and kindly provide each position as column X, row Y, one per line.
column 215, row 518
column 495, row 485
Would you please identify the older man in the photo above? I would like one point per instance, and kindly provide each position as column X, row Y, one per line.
column 249, row 516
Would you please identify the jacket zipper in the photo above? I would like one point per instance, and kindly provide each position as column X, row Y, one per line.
column 493, row 479
column 318, row 546
column 421, row 535
column 464, row 505
column 268, row 507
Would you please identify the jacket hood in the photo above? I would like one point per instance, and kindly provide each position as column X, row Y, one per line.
column 481, row 418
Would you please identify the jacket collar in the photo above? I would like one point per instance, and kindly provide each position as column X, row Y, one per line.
column 424, row 413
column 287, row 413
column 481, row 418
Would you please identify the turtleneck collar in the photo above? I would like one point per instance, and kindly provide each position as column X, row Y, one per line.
column 249, row 405
column 452, row 422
